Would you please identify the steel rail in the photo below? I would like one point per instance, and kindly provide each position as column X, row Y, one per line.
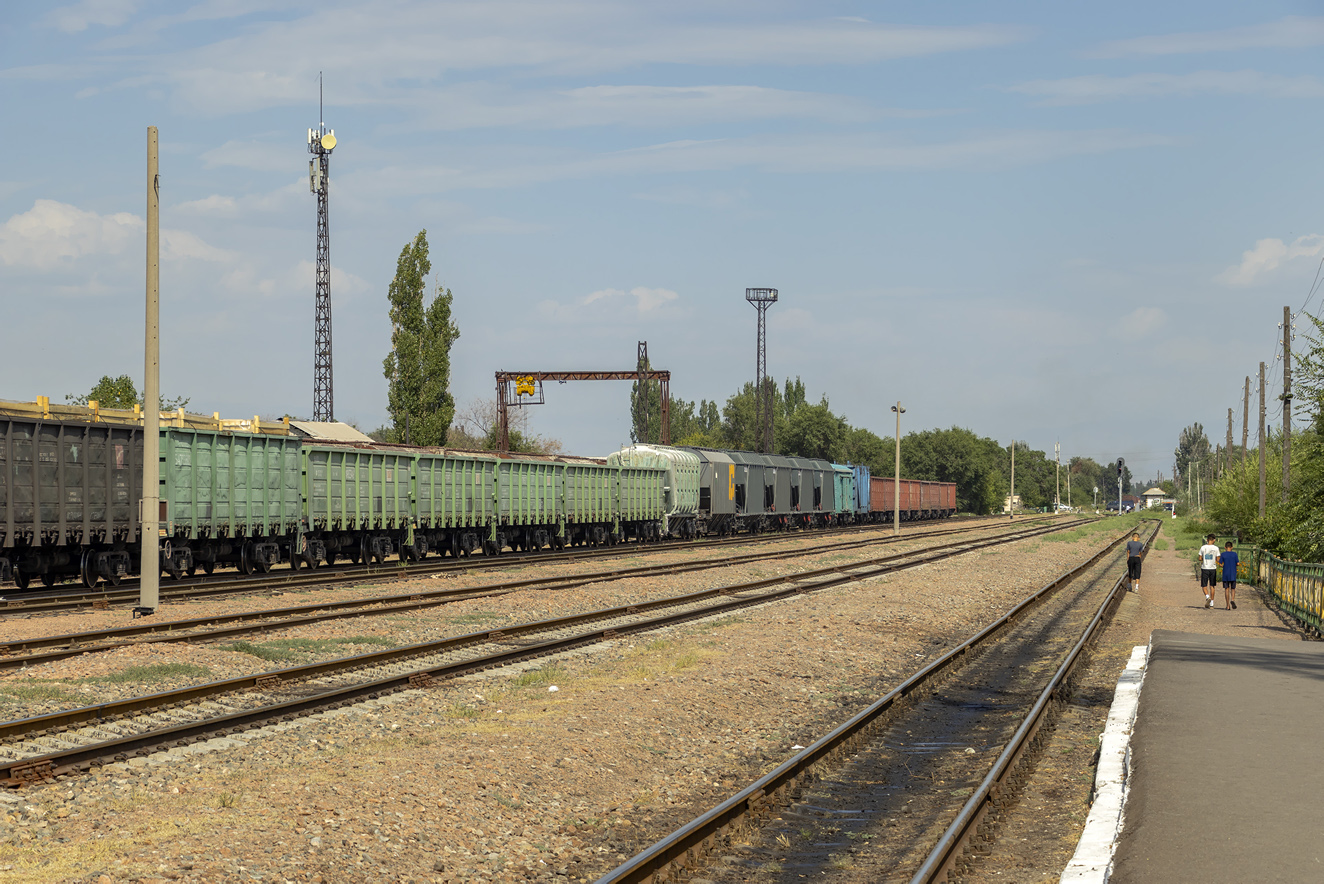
column 946, row 855
column 686, row 846
column 284, row 579
column 32, row 769
column 12, row 654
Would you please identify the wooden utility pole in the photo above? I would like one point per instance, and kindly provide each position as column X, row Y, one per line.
column 1011, row 498
column 1245, row 421
column 1262, row 476
column 1287, row 399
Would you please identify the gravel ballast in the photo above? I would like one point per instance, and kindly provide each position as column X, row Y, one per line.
column 555, row 770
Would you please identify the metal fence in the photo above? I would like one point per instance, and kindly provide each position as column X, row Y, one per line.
column 1298, row 586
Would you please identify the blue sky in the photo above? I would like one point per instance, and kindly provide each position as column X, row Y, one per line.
column 1034, row 220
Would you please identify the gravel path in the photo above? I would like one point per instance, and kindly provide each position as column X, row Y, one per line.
column 555, row 772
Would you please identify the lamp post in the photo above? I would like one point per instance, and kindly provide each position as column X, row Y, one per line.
column 896, row 475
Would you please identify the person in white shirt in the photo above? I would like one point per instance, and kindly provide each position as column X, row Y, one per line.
column 1209, row 570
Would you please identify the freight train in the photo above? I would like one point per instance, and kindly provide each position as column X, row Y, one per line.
column 253, row 495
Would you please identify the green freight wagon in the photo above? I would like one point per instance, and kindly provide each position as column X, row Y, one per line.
column 231, row 498
column 590, row 502
column 529, row 496
column 642, row 494
column 454, row 501
column 356, row 501
column 71, row 490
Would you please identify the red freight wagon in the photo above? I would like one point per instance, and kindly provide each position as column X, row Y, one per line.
column 919, row 500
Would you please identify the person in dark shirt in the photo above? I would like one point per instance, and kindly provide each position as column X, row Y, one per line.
column 1228, row 559
column 1134, row 549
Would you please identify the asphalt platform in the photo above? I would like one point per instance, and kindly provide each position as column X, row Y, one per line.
column 1227, row 749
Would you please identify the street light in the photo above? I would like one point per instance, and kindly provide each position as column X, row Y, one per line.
column 896, row 476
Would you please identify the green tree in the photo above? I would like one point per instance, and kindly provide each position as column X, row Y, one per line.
column 814, row 431
column 1193, row 446
column 121, row 393
column 418, row 367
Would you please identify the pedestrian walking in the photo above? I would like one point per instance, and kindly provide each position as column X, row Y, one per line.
column 1134, row 549
column 1229, row 561
column 1208, row 570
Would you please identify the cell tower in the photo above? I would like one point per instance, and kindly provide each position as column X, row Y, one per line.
column 321, row 141
column 762, row 299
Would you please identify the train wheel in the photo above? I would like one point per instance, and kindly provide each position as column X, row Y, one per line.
column 48, row 580
column 114, row 578
column 21, row 578
column 88, row 567
column 330, row 557
column 208, row 567
column 192, row 570
column 264, row 566
column 246, row 558
column 455, row 546
column 294, row 562
column 175, row 573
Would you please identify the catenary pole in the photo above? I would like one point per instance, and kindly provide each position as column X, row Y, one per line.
column 1287, row 400
column 1262, row 466
column 150, row 570
column 1057, row 478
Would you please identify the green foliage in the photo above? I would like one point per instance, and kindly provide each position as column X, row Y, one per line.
column 814, row 431
column 121, row 393
column 418, row 367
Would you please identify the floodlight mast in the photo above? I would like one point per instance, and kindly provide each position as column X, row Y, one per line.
column 762, row 299
column 321, row 141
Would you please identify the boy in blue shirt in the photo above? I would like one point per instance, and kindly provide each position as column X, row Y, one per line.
column 1229, row 561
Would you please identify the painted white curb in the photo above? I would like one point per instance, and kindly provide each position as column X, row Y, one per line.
column 1093, row 859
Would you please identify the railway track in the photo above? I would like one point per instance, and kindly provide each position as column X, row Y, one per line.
column 29, row 652
column 127, row 594
column 906, row 787
column 41, row 747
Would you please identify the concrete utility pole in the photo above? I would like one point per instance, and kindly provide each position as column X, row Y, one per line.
column 150, row 569
column 1245, row 421
column 1011, row 498
column 1227, row 452
column 1057, row 476
column 1287, row 400
column 1262, row 468
column 896, row 476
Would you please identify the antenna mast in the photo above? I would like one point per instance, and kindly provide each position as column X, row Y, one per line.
column 321, row 141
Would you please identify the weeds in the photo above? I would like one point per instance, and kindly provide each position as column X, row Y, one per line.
column 283, row 650
column 542, row 676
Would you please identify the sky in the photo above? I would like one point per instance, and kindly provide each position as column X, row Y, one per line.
column 1040, row 221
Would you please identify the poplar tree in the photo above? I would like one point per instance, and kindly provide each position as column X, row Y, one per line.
column 419, row 365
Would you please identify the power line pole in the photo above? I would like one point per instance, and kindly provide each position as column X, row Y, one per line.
column 1245, row 421
column 1262, row 474
column 1287, row 399
column 762, row 299
column 1011, row 498
column 1227, row 452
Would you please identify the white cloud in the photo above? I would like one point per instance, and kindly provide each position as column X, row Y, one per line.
column 1143, row 321
column 1293, row 32
column 694, row 196
column 52, row 232
column 80, row 16
column 1268, row 255
column 1088, row 89
column 467, row 106
column 646, row 299
column 381, row 53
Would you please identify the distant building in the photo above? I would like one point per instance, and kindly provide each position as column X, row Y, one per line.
column 1009, row 502
column 1155, row 497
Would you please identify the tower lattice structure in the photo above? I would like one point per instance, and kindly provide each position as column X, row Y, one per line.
column 762, row 299
column 321, row 141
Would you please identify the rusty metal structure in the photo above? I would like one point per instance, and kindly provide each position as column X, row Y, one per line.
column 512, row 385
column 762, row 299
column 321, row 141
